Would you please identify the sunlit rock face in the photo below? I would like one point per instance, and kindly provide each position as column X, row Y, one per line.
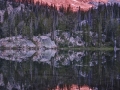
column 75, row 4
column 21, row 42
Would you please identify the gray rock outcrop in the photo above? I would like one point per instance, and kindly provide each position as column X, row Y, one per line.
column 24, row 43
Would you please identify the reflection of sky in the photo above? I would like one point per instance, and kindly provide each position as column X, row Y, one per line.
column 83, row 4
column 74, row 87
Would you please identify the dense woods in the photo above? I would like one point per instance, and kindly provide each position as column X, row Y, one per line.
column 102, row 24
column 43, row 48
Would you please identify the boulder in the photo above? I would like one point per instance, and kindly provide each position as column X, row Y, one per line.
column 47, row 42
column 24, row 43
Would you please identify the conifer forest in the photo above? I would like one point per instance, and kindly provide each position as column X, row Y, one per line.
column 43, row 47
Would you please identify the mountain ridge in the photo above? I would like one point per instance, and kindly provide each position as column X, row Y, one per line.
column 75, row 4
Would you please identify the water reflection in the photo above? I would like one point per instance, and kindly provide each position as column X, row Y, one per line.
column 59, row 70
column 74, row 87
column 21, row 55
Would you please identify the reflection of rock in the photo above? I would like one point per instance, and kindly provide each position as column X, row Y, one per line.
column 44, row 56
column 19, row 55
column 1, row 80
column 76, row 56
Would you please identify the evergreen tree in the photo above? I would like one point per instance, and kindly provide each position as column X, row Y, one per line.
column 6, row 15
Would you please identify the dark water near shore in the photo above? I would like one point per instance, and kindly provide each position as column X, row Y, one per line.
column 66, row 70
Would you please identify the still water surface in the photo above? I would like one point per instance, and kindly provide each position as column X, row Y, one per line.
column 59, row 70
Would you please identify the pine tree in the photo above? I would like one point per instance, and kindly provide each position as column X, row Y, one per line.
column 6, row 15
column 79, row 19
column 16, row 33
column 31, row 28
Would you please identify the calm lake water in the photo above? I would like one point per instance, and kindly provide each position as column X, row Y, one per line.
column 59, row 70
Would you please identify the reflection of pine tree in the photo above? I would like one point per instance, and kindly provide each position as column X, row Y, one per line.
column 86, row 36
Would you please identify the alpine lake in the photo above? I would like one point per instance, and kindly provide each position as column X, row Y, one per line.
column 60, row 70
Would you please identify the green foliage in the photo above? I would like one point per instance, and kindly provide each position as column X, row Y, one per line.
column 6, row 15
column 43, row 19
column 26, row 31
column 61, row 25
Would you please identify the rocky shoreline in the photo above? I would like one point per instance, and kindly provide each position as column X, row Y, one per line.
column 19, row 42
